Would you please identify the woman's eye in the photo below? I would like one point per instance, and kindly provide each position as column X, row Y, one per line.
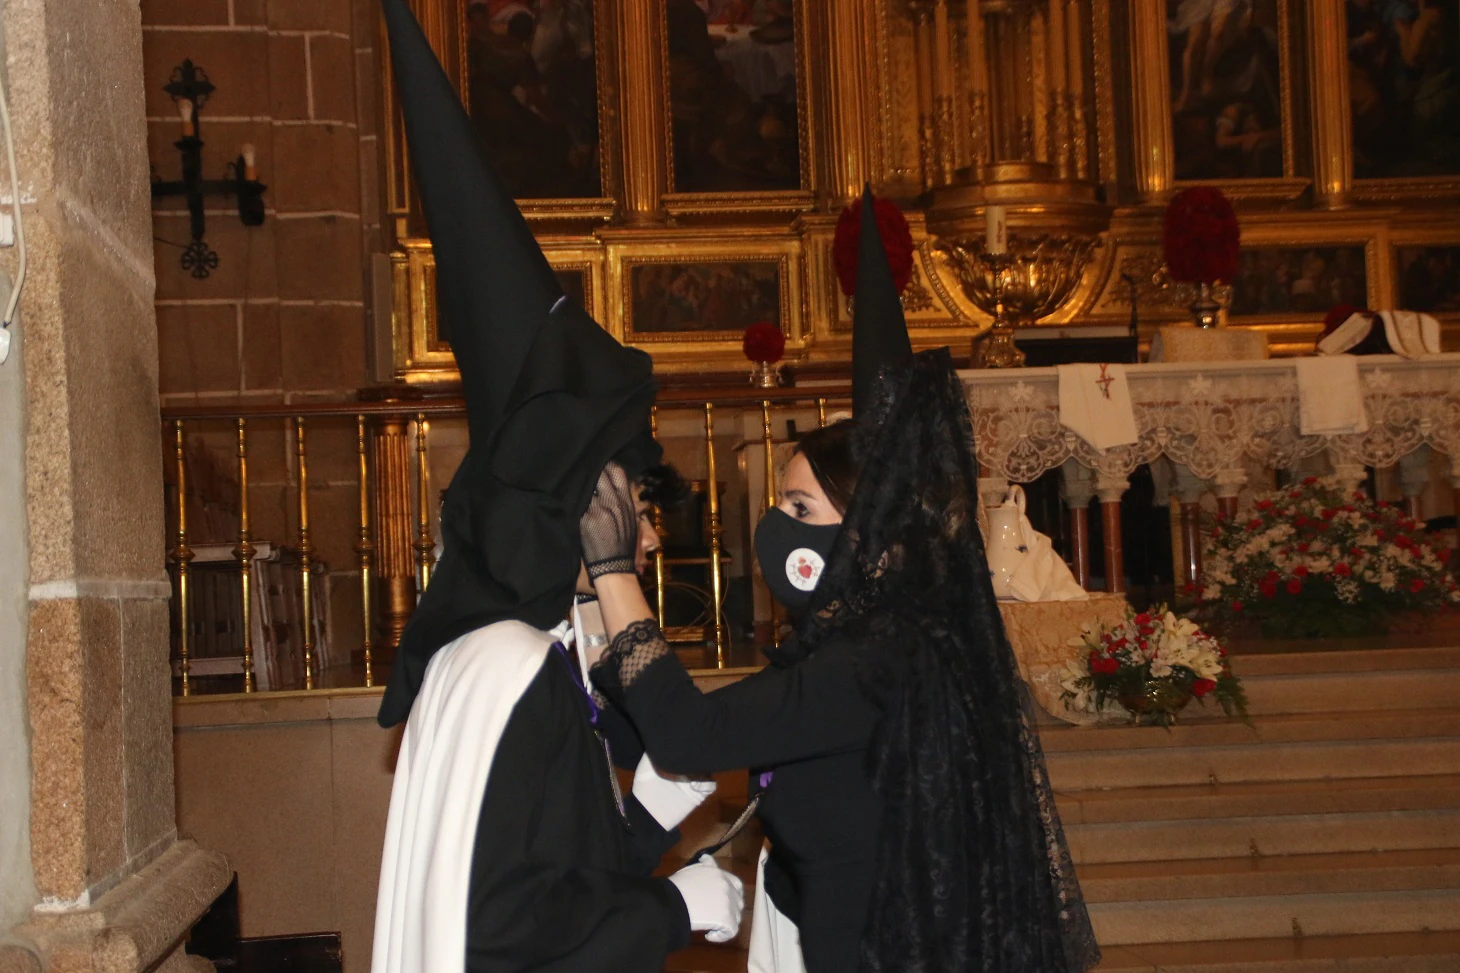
column 801, row 511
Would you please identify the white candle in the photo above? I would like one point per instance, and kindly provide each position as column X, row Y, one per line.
column 998, row 230
column 185, row 112
column 250, row 160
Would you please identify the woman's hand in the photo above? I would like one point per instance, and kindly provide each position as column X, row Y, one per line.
column 610, row 527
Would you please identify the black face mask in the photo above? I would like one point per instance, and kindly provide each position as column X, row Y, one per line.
column 792, row 556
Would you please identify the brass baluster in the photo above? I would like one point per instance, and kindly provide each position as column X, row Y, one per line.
column 306, row 554
column 364, row 547
column 712, row 492
column 181, row 555
column 425, row 543
column 821, row 413
column 659, row 566
column 769, row 444
column 245, row 552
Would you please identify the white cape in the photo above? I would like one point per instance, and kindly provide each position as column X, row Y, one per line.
column 470, row 689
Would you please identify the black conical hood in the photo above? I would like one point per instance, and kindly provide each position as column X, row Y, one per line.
column 879, row 330
column 551, row 397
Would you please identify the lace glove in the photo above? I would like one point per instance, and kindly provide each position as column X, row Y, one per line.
column 610, row 527
column 714, row 899
column 668, row 801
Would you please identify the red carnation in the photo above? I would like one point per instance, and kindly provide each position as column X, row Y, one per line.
column 1303, row 547
column 1200, row 687
column 1143, row 619
column 1417, row 585
column 896, row 240
column 1264, row 505
column 1103, row 667
column 1295, row 586
column 1236, row 606
column 1201, row 237
column 1268, row 589
column 1301, row 571
column 1342, row 570
column 764, row 342
column 1254, row 523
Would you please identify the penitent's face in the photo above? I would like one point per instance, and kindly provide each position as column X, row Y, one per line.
column 648, row 536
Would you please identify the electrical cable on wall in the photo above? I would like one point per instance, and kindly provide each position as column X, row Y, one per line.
column 14, row 303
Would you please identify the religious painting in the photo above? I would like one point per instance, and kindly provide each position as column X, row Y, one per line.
column 1227, row 88
column 733, row 100
column 673, row 299
column 1429, row 278
column 532, row 90
column 1299, row 280
column 1404, row 87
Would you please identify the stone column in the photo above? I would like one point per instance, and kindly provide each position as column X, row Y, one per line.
column 1077, row 487
column 1110, row 487
column 112, row 886
column 1414, row 478
column 1189, row 490
column 1227, row 486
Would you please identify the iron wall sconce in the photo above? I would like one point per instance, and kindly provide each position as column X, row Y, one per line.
column 190, row 88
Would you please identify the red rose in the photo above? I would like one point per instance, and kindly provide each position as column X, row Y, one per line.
column 1304, row 547
column 1329, row 513
column 1143, row 619
column 1417, row 585
column 1295, row 586
column 764, row 342
column 1103, row 666
column 1264, row 505
column 1270, row 576
column 1268, row 589
column 1403, row 541
column 1356, row 552
column 1236, row 606
column 1301, row 521
column 896, row 240
column 1301, row 571
column 1201, row 237
column 1342, row 570
column 1295, row 495
column 1309, row 481
column 1254, row 523
column 1201, row 687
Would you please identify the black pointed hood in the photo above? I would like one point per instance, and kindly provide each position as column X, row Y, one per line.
column 879, row 330
column 550, row 396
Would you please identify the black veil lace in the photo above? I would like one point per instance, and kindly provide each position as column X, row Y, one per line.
column 973, row 873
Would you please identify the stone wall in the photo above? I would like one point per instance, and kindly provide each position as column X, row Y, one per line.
column 102, row 833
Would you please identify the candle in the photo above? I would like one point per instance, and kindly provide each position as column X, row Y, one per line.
column 998, row 230
column 250, row 160
column 185, row 110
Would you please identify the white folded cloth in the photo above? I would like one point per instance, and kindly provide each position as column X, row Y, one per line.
column 1330, row 399
column 1411, row 334
column 1095, row 404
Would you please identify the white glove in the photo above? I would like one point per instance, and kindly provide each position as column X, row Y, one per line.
column 714, row 898
column 669, row 800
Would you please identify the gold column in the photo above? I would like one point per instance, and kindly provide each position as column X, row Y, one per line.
column 1058, row 109
column 244, row 552
column 944, row 143
column 1151, row 89
column 847, row 44
column 712, row 494
column 1333, row 174
column 659, row 567
column 395, row 567
column 978, row 109
column 768, row 443
column 821, row 413
column 923, row 40
column 1079, row 133
column 425, row 543
column 306, row 553
column 181, row 555
column 364, row 549
column 643, row 113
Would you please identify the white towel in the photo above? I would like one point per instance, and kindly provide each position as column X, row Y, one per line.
column 1095, row 404
column 1330, row 399
column 1411, row 334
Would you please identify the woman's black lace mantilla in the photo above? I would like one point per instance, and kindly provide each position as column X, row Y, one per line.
column 632, row 651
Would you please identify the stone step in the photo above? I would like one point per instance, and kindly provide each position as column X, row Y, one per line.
column 1294, row 747
column 1260, row 798
column 1421, row 678
column 1435, row 952
column 1299, row 834
column 1273, row 916
column 1208, row 878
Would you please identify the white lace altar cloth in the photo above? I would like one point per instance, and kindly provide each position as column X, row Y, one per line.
column 1208, row 416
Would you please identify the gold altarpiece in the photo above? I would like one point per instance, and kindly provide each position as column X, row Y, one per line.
column 1061, row 111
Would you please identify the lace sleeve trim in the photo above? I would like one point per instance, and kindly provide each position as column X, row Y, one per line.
column 632, row 651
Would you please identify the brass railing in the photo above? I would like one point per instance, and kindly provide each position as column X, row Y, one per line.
column 391, row 505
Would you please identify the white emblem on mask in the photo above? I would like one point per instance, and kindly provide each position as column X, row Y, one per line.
column 803, row 568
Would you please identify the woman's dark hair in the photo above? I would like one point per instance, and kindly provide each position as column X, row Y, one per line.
column 830, row 452
column 662, row 486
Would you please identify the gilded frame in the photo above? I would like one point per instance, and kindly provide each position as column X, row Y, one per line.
column 1150, row 45
column 442, row 21
column 778, row 201
column 1438, row 235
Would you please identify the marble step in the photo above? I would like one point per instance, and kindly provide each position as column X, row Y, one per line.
column 1425, row 678
column 1207, row 878
column 1435, row 952
column 1274, row 916
column 1288, row 747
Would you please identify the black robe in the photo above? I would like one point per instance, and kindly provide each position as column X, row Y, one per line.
column 559, row 880
column 811, row 724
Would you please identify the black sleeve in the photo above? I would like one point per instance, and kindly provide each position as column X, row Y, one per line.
column 775, row 716
column 648, row 841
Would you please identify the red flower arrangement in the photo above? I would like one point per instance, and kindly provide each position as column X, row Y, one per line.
column 896, row 240
column 1201, row 237
column 764, row 343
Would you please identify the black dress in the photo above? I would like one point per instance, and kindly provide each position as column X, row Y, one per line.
column 560, row 881
column 809, row 724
